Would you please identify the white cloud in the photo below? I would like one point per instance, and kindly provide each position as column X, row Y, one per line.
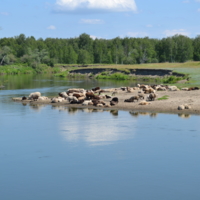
column 149, row 26
column 137, row 34
column 95, row 37
column 4, row 13
column 91, row 21
column 176, row 31
column 95, row 5
column 95, row 134
column 51, row 27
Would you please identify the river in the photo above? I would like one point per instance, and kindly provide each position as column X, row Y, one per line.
column 61, row 153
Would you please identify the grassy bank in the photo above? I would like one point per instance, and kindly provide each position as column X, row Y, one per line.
column 122, row 67
column 190, row 69
column 16, row 69
column 121, row 76
column 23, row 69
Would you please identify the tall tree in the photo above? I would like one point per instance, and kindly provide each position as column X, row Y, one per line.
column 6, row 57
column 71, row 55
column 196, row 45
column 183, row 49
column 84, row 57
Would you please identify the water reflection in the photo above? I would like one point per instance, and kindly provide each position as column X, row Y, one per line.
column 35, row 107
column 72, row 110
column 154, row 115
column 184, row 116
column 88, row 110
column 114, row 113
column 136, row 114
column 33, row 81
column 95, row 127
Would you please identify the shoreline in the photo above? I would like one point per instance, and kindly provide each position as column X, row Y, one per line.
column 170, row 105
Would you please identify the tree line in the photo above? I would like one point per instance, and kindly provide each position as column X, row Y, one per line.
column 85, row 50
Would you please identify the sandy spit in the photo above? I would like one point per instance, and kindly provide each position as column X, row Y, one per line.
column 175, row 98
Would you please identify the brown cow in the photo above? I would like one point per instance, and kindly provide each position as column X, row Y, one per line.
column 76, row 95
column 95, row 89
column 89, row 95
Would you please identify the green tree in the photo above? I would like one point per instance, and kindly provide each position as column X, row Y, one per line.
column 72, row 56
column 196, row 45
column 183, row 49
column 84, row 57
column 85, row 42
column 35, row 57
column 6, row 57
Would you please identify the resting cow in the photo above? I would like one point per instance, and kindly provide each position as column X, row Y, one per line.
column 132, row 99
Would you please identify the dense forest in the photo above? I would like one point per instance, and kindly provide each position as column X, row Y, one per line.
column 85, row 50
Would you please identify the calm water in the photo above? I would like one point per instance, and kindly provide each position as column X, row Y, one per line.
column 56, row 153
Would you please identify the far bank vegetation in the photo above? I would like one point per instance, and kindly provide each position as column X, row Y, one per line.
column 29, row 55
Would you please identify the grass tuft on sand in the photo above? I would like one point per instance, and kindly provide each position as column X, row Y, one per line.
column 165, row 97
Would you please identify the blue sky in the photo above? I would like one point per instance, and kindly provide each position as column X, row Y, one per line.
column 99, row 18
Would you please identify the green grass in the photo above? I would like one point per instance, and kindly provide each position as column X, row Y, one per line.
column 24, row 69
column 105, row 73
column 165, row 97
column 175, row 66
column 125, row 70
column 16, row 69
column 116, row 76
column 173, row 79
column 63, row 75
column 122, row 76
column 194, row 76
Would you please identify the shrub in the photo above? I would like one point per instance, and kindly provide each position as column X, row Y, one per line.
column 172, row 79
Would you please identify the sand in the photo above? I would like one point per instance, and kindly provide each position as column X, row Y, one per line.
column 175, row 98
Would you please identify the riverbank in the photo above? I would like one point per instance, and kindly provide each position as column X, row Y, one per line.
column 167, row 73
column 25, row 69
column 169, row 104
column 171, row 73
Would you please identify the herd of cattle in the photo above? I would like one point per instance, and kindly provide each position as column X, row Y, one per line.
column 96, row 96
